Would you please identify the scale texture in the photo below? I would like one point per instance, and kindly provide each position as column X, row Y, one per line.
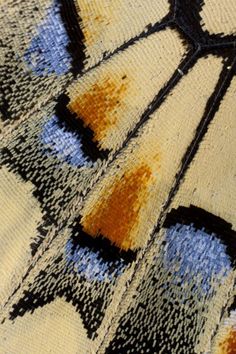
column 118, row 189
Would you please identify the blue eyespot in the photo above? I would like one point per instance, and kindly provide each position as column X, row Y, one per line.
column 47, row 53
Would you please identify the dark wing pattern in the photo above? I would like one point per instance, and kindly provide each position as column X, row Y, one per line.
column 118, row 230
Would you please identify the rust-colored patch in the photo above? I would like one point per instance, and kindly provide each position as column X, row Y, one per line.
column 97, row 107
column 115, row 216
column 228, row 346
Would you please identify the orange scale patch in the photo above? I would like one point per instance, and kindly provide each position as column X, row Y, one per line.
column 114, row 217
column 93, row 27
column 97, row 107
column 228, row 346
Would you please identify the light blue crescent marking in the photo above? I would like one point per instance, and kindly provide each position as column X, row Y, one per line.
column 64, row 144
column 91, row 265
column 193, row 254
column 47, row 52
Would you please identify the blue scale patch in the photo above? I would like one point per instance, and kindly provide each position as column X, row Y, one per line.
column 89, row 263
column 47, row 53
column 194, row 254
column 66, row 145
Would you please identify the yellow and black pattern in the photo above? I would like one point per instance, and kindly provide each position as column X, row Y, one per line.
column 118, row 229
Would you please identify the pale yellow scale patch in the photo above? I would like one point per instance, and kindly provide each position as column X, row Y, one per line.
column 210, row 182
column 219, row 16
column 106, row 24
column 111, row 98
column 160, row 147
column 54, row 328
column 20, row 214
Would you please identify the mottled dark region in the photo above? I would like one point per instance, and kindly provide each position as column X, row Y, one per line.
column 167, row 316
column 60, row 279
column 141, row 330
column 22, row 88
column 57, row 281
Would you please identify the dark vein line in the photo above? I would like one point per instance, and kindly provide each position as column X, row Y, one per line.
column 184, row 67
column 213, row 104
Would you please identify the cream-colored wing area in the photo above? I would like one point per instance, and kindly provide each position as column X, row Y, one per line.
column 20, row 214
column 197, row 275
column 219, row 17
column 54, row 328
column 209, row 184
column 225, row 339
column 111, row 98
column 124, row 206
column 106, row 24
column 210, row 181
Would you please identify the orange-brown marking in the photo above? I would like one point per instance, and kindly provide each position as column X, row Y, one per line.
column 92, row 27
column 115, row 216
column 96, row 107
column 228, row 346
